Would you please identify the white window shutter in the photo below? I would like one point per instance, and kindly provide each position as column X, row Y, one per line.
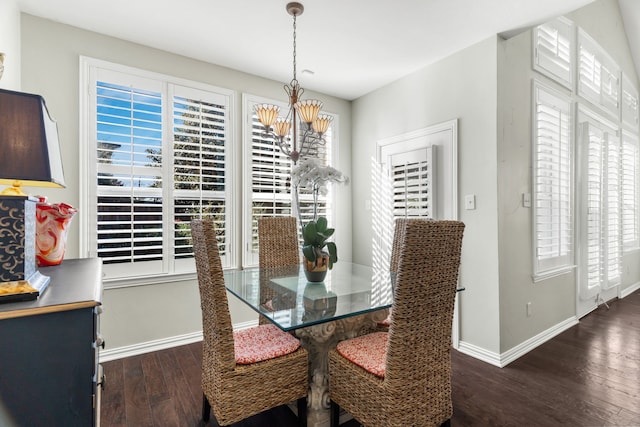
column 630, row 171
column 629, row 104
column 160, row 151
column 129, row 173
column 268, row 189
column 601, row 260
column 552, row 181
column 553, row 50
column 200, row 187
column 598, row 75
column 613, row 224
column 412, row 178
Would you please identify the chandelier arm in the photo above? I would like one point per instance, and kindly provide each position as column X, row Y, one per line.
column 284, row 146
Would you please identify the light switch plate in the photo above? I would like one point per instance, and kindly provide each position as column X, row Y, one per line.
column 470, row 201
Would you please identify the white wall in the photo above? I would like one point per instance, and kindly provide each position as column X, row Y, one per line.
column 10, row 44
column 462, row 86
column 50, row 53
column 553, row 300
column 488, row 88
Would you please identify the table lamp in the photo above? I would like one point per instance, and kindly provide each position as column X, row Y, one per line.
column 29, row 156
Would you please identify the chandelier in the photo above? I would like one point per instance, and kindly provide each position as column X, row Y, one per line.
column 296, row 134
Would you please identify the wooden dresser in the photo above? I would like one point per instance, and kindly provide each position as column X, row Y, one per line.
column 49, row 371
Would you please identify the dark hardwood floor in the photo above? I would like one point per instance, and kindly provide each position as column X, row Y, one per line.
column 587, row 376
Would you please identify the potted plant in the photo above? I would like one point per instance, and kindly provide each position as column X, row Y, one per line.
column 316, row 260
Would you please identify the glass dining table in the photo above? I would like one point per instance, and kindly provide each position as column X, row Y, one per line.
column 351, row 301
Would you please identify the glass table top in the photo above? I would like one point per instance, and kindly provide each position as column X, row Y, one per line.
column 284, row 296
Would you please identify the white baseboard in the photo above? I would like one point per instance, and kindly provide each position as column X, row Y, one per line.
column 503, row 359
column 479, row 353
column 160, row 344
column 629, row 290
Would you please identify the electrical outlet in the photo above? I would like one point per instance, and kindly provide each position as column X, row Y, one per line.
column 528, row 309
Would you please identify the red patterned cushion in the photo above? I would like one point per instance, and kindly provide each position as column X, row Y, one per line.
column 367, row 351
column 262, row 343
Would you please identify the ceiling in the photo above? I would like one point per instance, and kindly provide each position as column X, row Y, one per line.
column 352, row 47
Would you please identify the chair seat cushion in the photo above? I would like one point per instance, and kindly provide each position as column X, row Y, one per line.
column 262, row 342
column 367, row 351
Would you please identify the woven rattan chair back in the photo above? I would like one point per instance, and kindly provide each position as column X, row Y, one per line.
column 236, row 391
column 278, row 241
column 423, row 304
column 216, row 320
column 278, row 248
column 398, row 238
column 416, row 388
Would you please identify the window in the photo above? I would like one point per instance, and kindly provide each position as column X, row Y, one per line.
column 552, row 182
column 268, row 179
column 411, row 175
column 629, row 104
column 598, row 75
column 155, row 157
column 600, row 228
column 553, row 50
column 630, row 182
column 414, row 175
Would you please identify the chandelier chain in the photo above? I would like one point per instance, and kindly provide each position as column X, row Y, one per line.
column 294, row 48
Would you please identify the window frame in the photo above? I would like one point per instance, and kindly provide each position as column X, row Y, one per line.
column 171, row 269
column 602, row 61
column 249, row 227
column 630, row 244
column 563, row 27
column 610, row 131
column 564, row 262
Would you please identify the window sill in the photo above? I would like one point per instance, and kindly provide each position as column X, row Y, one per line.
column 128, row 282
column 544, row 275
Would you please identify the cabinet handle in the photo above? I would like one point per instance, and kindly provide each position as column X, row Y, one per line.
column 100, row 341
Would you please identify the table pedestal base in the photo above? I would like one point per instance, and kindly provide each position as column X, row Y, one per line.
column 318, row 340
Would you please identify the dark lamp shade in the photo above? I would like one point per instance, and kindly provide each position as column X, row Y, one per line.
column 29, row 146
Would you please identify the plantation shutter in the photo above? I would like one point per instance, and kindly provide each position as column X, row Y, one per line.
column 629, row 103
column 629, row 193
column 552, row 48
column 598, row 74
column 552, row 181
column 200, row 132
column 412, row 175
column 269, row 180
column 594, row 143
column 130, row 178
column 601, row 187
column 613, row 222
column 156, row 159
column 270, row 185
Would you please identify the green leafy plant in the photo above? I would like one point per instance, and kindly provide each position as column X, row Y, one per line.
column 315, row 235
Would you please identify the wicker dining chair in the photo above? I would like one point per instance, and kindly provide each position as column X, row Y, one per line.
column 248, row 371
column 278, row 241
column 277, row 247
column 394, row 262
column 398, row 238
column 403, row 377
